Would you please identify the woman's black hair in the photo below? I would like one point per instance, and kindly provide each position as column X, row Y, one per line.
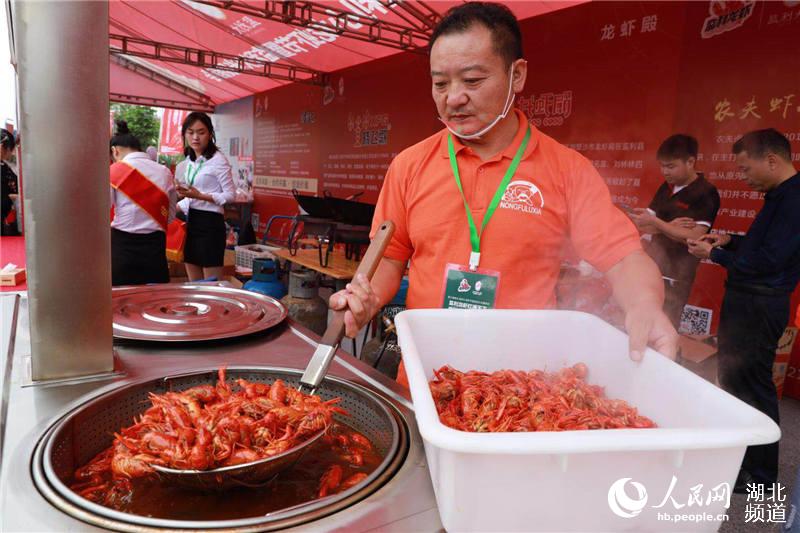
column 125, row 138
column 7, row 139
column 191, row 118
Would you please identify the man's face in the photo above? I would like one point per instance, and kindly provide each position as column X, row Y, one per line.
column 470, row 79
column 677, row 171
column 757, row 172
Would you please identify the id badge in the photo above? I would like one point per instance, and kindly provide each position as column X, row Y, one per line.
column 465, row 289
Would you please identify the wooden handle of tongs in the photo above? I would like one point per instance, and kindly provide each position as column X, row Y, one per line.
column 369, row 264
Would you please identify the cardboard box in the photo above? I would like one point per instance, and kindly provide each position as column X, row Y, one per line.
column 694, row 348
column 11, row 278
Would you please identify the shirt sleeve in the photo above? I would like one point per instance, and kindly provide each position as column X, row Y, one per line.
column 652, row 204
column 184, row 205
column 601, row 233
column 780, row 245
column 392, row 206
column 736, row 241
column 225, row 177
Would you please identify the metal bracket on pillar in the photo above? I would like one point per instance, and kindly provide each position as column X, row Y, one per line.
column 28, row 381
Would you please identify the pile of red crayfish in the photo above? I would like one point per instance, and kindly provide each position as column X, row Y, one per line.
column 208, row 426
column 513, row 400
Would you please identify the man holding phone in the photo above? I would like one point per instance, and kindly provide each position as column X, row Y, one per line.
column 684, row 207
column 763, row 271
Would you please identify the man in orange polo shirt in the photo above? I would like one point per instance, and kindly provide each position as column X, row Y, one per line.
column 483, row 208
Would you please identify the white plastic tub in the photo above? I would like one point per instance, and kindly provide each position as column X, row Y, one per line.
column 569, row 481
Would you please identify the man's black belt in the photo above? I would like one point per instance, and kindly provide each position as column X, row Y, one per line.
column 754, row 288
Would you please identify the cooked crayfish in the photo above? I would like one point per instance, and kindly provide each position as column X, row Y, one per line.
column 206, row 427
column 512, row 400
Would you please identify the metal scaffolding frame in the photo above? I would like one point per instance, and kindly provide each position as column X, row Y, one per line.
column 329, row 19
column 158, row 102
column 425, row 18
column 198, row 100
column 171, row 53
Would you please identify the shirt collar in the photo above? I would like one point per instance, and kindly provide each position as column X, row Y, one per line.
column 136, row 155
column 509, row 152
column 693, row 184
column 778, row 191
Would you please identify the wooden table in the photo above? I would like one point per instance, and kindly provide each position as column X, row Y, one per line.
column 338, row 268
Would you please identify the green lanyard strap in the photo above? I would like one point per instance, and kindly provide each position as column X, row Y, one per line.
column 474, row 236
column 193, row 175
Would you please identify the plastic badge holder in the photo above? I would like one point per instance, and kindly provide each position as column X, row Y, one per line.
column 569, row 481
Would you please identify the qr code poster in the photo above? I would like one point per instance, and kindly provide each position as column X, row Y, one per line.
column 696, row 320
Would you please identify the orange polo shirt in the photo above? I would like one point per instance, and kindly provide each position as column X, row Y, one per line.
column 555, row 197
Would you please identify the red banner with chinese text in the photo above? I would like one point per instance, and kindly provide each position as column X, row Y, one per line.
column 609, row 79
column 170, row 142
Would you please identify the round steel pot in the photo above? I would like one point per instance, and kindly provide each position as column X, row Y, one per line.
column 88, row 429
column 191, row 312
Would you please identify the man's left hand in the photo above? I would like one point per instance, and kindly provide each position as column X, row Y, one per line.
column 649, row 325
column 700, row 248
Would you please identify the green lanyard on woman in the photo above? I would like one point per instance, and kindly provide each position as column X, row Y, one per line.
column 193, row 175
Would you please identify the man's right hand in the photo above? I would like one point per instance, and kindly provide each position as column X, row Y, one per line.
column 716, row 239
column 359, row 302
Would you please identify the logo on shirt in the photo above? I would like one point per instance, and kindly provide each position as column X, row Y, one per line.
column 726, row 15
column 523, row 196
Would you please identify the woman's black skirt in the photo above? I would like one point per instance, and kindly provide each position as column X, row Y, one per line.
column 138, row 258
column 205, row 239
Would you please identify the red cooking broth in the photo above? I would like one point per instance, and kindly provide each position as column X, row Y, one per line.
column 155, row 498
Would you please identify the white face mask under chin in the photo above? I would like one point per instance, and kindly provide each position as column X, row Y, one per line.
column 506, row 108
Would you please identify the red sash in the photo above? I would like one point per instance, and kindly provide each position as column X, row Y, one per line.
column 143, row 192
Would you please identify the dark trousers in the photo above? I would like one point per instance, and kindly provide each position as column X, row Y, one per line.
column 749, row 329
column 138, row 258
column 676, row 294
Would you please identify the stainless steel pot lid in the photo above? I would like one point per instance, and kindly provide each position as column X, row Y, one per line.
column 191, row 312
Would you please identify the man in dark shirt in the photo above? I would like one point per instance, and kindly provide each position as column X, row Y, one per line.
column 684, row 207
column 763, row 271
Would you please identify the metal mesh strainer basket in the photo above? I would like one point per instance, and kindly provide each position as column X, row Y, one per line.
column 77, row 437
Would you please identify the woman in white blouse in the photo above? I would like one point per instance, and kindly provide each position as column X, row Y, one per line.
column 205, row 183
